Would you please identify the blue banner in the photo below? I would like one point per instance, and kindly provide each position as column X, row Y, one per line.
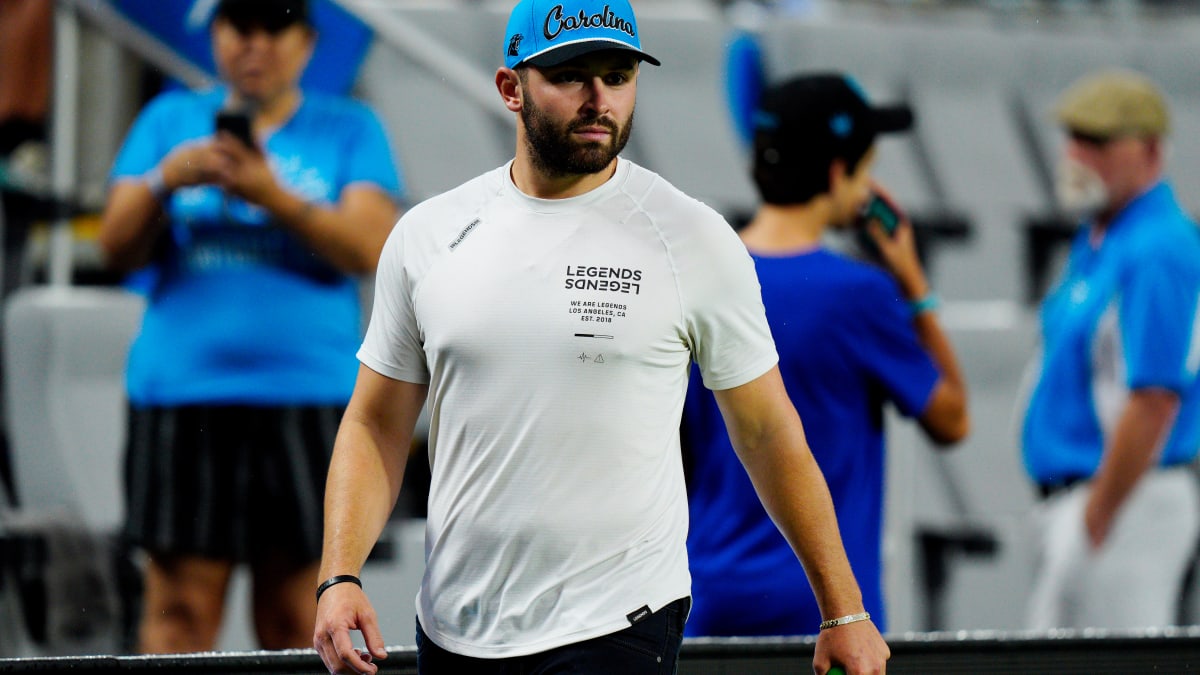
column 342, row 39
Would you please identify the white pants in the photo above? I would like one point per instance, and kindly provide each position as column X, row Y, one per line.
column 1134, row 580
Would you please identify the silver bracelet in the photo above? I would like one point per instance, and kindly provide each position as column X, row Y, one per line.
column 843, row 620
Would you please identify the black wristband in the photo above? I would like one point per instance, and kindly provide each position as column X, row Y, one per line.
column 333, row 581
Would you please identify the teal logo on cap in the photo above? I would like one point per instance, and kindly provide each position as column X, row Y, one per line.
column 841, row 124
column 556, row 23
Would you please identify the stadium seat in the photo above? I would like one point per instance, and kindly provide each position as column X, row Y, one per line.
column 64, row 390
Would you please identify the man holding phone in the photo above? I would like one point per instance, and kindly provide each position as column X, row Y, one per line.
column 850, row 336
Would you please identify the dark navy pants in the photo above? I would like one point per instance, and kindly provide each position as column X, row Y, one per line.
column 648, row 647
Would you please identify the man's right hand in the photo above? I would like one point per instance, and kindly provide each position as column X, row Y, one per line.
column 898, row 252
column 344, row 608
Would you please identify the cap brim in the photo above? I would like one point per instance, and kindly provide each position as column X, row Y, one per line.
column 892, row 118
column 562, row 53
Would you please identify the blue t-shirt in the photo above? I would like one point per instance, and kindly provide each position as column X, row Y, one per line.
column 239, row 310
column 1123, row 317
column 846, row 346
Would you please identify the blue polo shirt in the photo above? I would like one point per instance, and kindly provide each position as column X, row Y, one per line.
column 847, row 346
column 240, row 311
column 1123, row 317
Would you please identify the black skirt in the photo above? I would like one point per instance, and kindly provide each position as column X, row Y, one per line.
column 230, row 482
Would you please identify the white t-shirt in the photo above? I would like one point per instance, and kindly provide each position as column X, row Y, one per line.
column 556, row 338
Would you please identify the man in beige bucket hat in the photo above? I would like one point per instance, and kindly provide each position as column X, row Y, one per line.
column 1113, row 103
column 1113, row 422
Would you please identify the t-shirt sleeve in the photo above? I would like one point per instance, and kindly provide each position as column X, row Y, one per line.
column 393, row 345
column 1157, row 315
column 146, row 143
column 727, row 325
column 370, row 156
column 888, row 348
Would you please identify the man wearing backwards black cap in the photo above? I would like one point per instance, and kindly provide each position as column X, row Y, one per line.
column 1113, row 424
column 270, row 15
column 851, row 336
column 550, row 309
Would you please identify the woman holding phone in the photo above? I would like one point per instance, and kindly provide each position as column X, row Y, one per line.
column 251, row 231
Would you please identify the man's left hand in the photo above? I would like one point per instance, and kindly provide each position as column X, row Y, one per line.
column 1097, row 522
column 857, row 648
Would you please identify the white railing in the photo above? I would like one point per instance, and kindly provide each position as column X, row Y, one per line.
column 431, row 53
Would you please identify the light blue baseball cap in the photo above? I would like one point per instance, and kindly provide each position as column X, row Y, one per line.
column 549, row 32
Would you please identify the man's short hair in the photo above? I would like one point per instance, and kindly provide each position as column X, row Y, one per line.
column 803, row 124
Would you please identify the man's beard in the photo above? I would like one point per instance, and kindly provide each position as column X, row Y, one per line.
column 1080, row 191
column 555, row 152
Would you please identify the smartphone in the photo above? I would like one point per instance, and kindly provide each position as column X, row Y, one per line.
column 238, row 124
column 880, row 209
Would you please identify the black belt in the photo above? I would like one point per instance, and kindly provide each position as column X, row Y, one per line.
column 1048, row 490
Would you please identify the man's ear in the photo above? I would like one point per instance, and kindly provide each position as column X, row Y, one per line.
column 508, row 83
column 1157, row 150
column 837, row 174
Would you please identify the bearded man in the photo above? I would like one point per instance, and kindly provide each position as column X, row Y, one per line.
column 549, row 311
